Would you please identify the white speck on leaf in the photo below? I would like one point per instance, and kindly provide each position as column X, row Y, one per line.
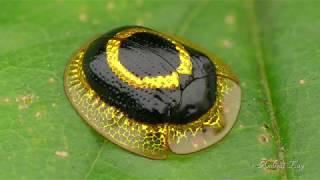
column 230, row 19
column 38, row 114
column 227, row 43
column 25, row 101
column 51, row 80
column 6, row 100
column 83, row 17
column 62, row 154
column 302, row 81
column 110, row 6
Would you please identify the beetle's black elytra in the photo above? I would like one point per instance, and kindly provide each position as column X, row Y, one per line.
column 146, row 55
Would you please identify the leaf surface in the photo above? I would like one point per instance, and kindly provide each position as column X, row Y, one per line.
column 273, row 46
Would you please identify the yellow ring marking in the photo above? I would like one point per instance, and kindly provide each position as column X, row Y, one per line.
column 169, row 81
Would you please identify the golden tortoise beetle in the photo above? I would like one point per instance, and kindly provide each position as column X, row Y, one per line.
column 150, row 93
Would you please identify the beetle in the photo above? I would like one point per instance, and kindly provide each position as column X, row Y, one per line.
column 151, row 93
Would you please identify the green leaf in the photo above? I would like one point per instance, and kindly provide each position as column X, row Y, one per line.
column 273, row 46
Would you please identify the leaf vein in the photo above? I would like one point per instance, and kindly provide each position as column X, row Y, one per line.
column 257, row 43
